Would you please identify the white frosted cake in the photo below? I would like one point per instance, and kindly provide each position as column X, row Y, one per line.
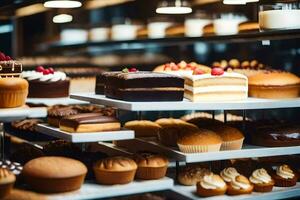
column 225, row 86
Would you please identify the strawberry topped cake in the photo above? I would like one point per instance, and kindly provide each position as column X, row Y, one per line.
column 46, row 83
column 215, row 86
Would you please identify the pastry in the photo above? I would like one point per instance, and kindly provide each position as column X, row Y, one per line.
column 274, row 85
column 216, row 86
column 46, row 83
column 211, row 185
column 262, row 181
column 9, row 68
column 284, row 176
column 17, row 194
column 89, row 122
column 115, row 170
column 132, row 85
column 7, row 180
column 13, row 92
column 239, row 185
column 150, row 166
column 54, row 174
column 175, row 30
column 171, row 129
column 248, row 27
column 143, row 128
column 201, row 141
column 192, row 175
column 56, row 113
column 228, row 174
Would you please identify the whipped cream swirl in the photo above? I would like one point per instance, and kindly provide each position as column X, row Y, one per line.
column 240, row 182
column 285, row 172
column 212, row 181
column 229, row 174
column 34, row 75
column 260, row 176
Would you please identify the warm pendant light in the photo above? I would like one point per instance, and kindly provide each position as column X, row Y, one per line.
column 62, row 18
column 174, row 7
column 62, row 4
column 234, row 2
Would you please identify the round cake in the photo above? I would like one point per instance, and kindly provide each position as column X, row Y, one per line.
column 47, row 83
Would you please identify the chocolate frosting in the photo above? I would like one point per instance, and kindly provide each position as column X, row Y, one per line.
column 62, row 111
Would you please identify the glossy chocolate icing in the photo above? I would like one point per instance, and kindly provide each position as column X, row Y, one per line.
column 62, row 111
column 47, row 89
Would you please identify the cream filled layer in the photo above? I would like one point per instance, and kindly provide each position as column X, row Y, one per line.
column 152, row 89
column 217, row 88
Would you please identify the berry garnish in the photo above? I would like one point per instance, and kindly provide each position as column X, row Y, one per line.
column 39, row 69
column 182, row 65
column 8, row 58
column 46, row 72
column 167, row 67
column 132, row 69
column 198, row 72
column 2, row 56
column 217, row 71
column 51, row 70
column 190, row 67
column 174, row 67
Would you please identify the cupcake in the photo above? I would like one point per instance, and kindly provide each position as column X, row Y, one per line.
column 115, row 170
column 143, row 128
column 172, row 129
column 232, row 138
column 7, row 180
column 192, row 175
column 201, row 141
column 239, row 185
column 262, row 181
column 285, row 176
column 151, row 166
column 229, row 174
column 211, row 185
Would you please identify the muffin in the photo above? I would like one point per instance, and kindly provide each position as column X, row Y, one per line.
column 239, row 185
column 143, row 128
column 285, row 176
column 211, row 185
column 171, row 129
column 7, row 180
column 192, row 175
column 274, row 85
column 54, row 174
column 262, row 181
column 13, row 92
column 56, row 113
column 150, row 166
column 115, row 170
column 232, row 138
column 229, row 174
column 201, row 141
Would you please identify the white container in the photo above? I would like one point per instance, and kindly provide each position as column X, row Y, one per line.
column 158, row 29
column 74, row 36
column 228, row 24
column 124, row 32
column 99, row 34
column 194, row 27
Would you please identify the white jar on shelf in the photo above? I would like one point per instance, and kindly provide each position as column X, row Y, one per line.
column 228, row 24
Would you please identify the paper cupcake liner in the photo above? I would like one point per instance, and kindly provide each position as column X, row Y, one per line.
column 263, row 188
column 232, row 145
column 150, row 173
column 12, row 99
column 279, row 182
column 199, row 148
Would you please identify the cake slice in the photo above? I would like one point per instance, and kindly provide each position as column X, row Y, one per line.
column 8, row 67
column 222, row 86
column 89, row 122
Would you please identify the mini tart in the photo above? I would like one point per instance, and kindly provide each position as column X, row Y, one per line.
column 239, row 185
column 115, row 170
column 285, row 176
column 7, row 180
column 143, row 128
column 151, row 166
column 200, row 141
column 211, row 185
column 262, row 181
column 192, row 175
column 172, row 129
column 229, row 174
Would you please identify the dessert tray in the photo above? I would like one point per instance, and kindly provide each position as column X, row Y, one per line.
column 250, row 103
column 54, row 101
column 85, row 137
column 12, row 114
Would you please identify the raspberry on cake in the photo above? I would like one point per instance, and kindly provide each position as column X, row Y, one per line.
column 47, row 83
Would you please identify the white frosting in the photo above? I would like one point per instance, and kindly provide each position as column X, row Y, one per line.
column 194, row 27
column 212, row 181
column 181, row 73
column 208, row 76
column 279, row 19
column 34, row 75
column 229, row 174
column 236, row 184
column 216, row 88
column 285, row 172
column 260, row 176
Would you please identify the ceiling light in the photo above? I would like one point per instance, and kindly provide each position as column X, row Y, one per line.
column 62, row 4
column 174, row 7
column 235, row 2
column 62, row 18
column 251, row 1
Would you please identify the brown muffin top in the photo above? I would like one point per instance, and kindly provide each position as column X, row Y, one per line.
column 201, row 137
column 141, row 123
column 228, row 133
column 170, row 122
column 117, row 163
column 6, row 176
column 13, row 84
column 274, row 78
column 150, row 160
column 54, row 167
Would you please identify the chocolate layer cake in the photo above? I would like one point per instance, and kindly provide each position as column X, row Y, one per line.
column 9, row 67
column 143, row 86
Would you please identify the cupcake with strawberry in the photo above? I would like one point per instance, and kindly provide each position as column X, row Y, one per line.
column 47, row 83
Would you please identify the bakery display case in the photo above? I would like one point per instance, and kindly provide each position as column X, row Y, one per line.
column 123, row 103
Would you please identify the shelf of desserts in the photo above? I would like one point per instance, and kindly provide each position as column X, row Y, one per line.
column 11, row 114
column 54, row 101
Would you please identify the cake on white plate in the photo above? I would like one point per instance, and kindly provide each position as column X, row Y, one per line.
column 216, row 86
